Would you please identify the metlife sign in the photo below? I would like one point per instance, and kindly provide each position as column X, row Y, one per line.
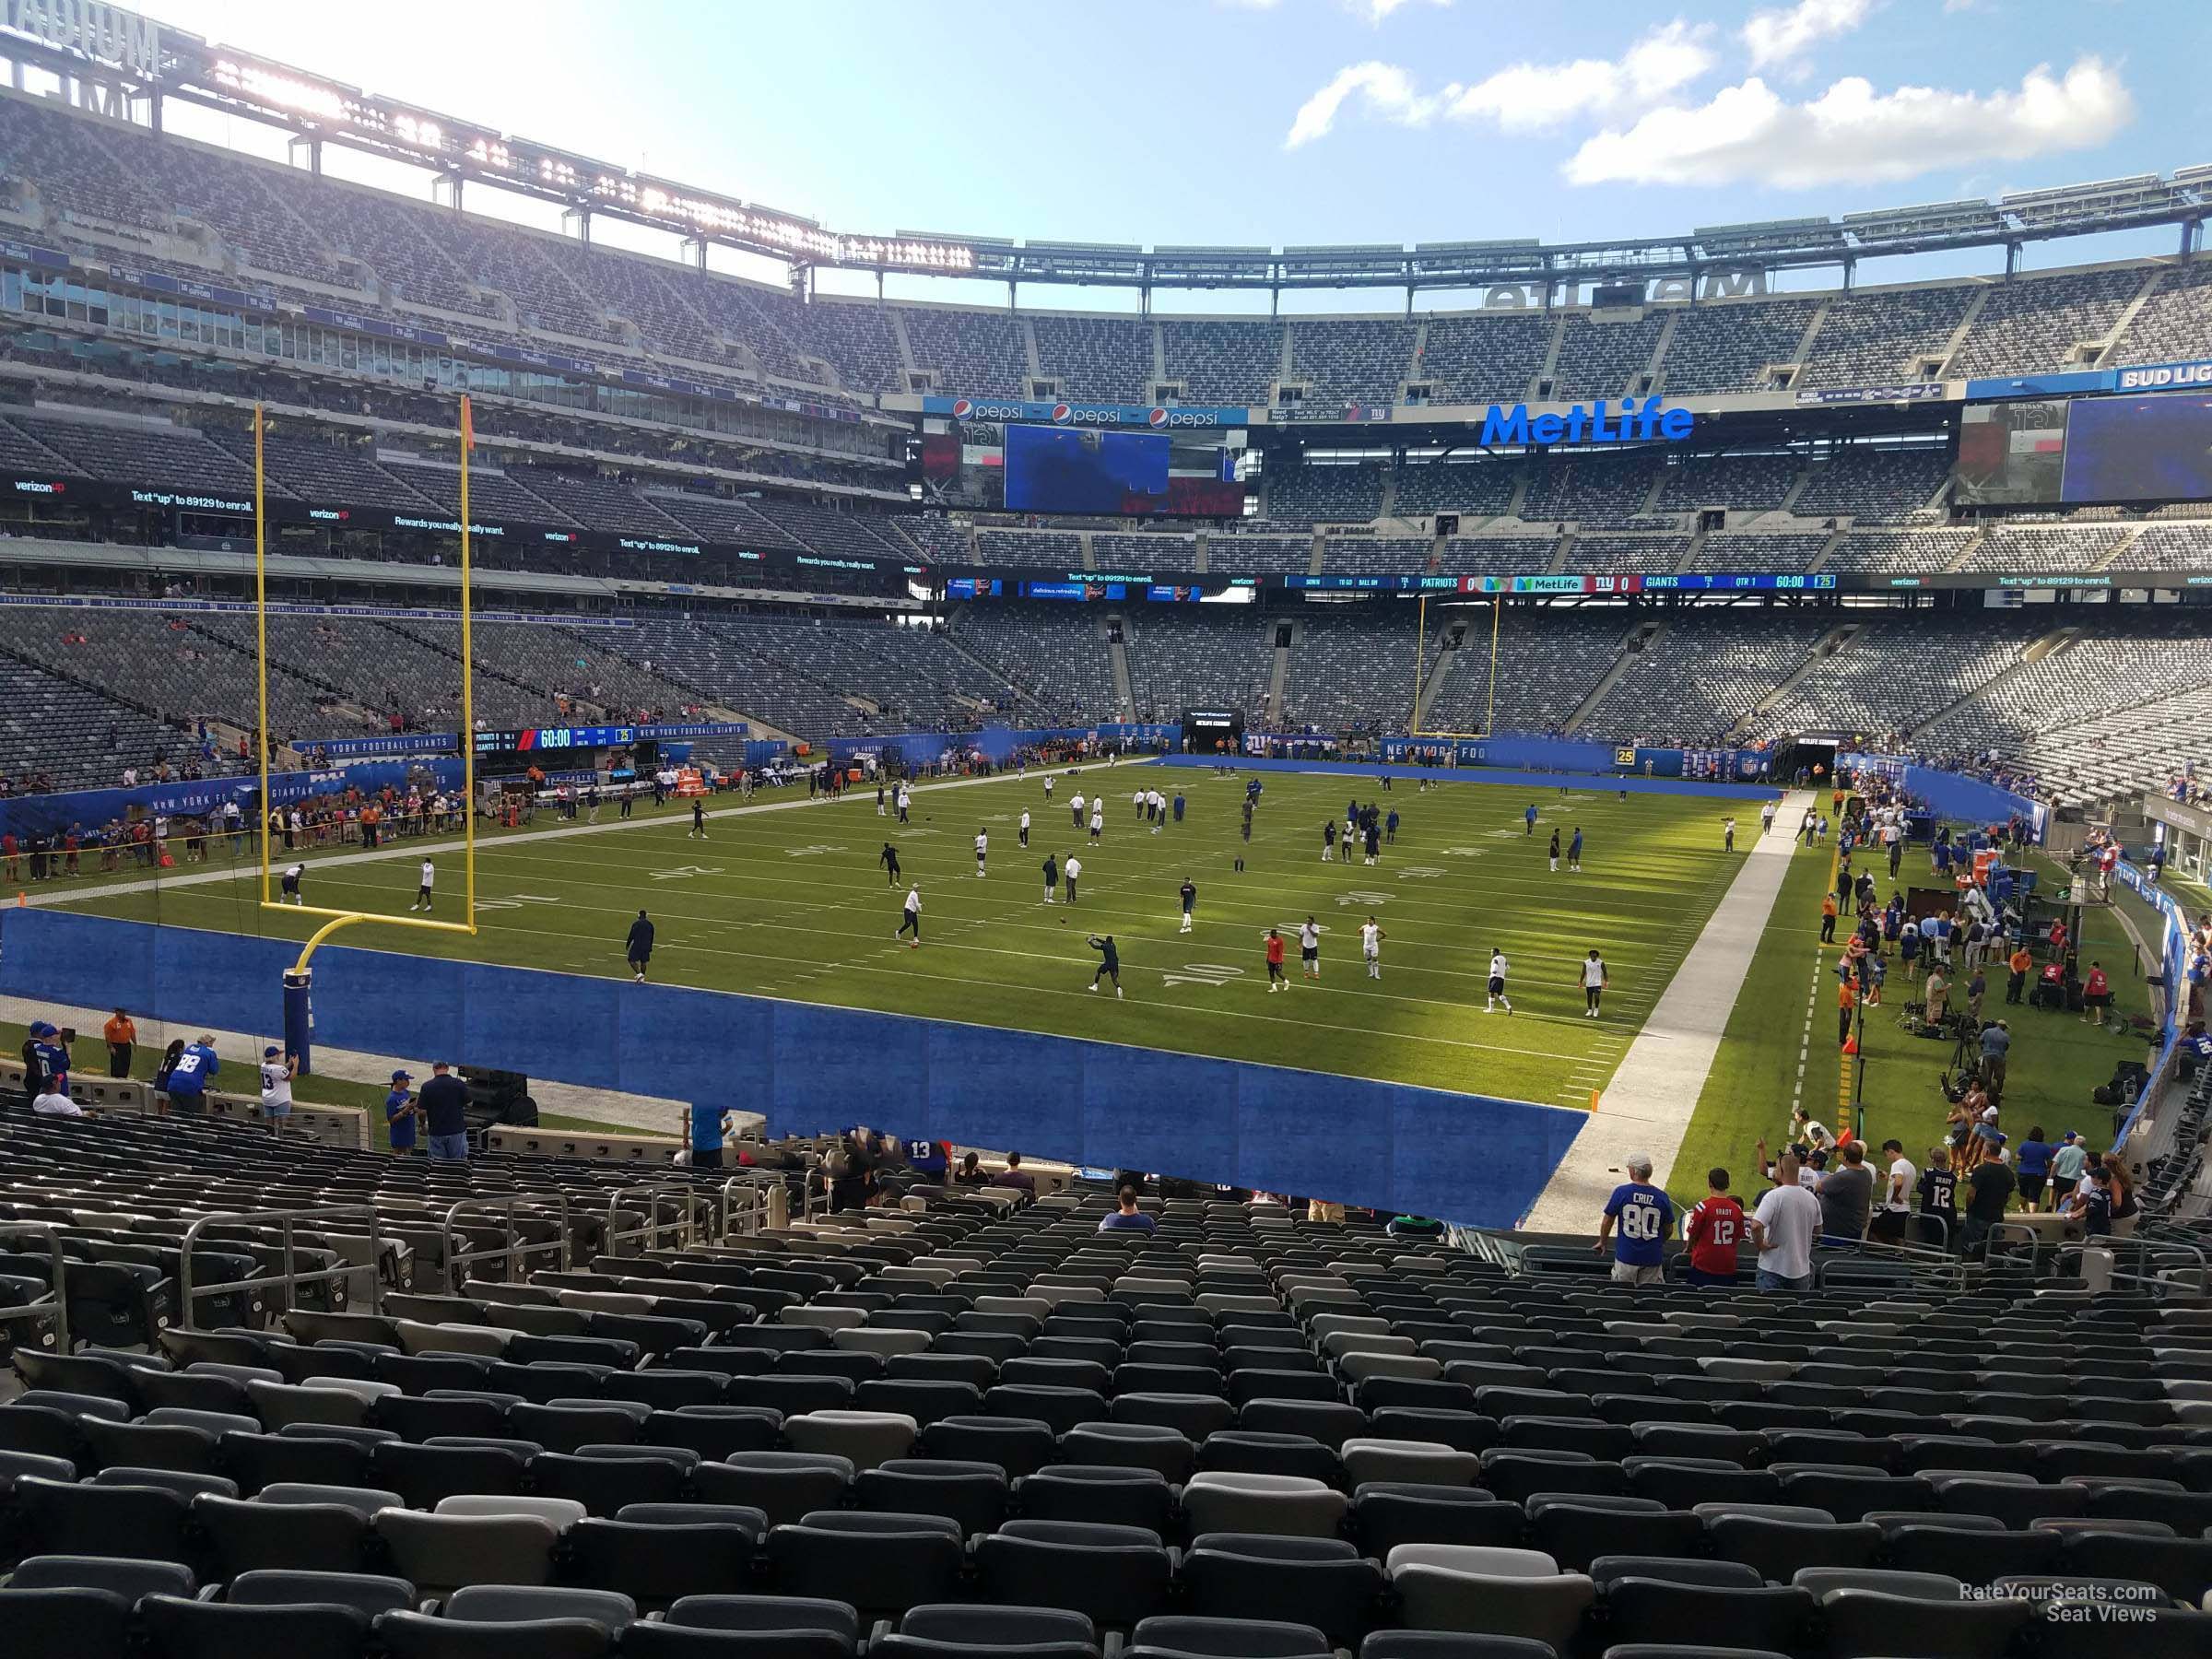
column 1157, row 418
column 1650, row 421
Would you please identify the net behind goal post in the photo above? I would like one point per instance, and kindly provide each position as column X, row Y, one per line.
column 299, row 1019
column 1422, row 671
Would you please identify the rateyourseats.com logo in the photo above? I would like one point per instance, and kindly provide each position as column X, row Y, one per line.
column 2076, row 1601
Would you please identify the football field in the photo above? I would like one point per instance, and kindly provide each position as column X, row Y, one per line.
column 787, row 898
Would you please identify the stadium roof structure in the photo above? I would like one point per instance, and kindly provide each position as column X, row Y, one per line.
column 139, row 60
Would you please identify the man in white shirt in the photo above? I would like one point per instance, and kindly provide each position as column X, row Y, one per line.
column 289, row 885
column 1595, row 981
column 1309, row 949
column 982, row 845
column 1893, row 1203
column 50, row 1104
column 422, row 893
column 911, row 919
column 1137, row 800
column 1075, row 806
column 1370, row 947
column 1157, row 804
column 1072, row 869
column 1098, row 820
column 1783, row 1227
column 1766, row 817
column 1022, row 829
column 1496, row 997
column 276, row 1069
column 1048, row 788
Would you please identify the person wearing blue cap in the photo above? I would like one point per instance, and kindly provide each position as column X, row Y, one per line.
column 45, row 1062
column 401, row 1114
column 277, row 1071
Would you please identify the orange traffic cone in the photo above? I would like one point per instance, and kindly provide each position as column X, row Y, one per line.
column 1851, row 1045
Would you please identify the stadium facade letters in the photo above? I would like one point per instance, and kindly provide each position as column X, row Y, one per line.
column 1630, row 422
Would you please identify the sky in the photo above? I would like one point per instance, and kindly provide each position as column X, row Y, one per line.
column 1291, row 121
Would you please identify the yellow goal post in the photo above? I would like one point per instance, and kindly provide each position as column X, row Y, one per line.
column 1421, row 669
column 336, row 919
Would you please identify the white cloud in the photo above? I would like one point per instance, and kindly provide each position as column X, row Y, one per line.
column 1533, row 97
column 1850, row 133
column 1520, row 97
column 1386, row 91
column 1777, row 36
column 1375, row 11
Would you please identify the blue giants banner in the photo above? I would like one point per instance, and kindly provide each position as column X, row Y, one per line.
column 1155, row 416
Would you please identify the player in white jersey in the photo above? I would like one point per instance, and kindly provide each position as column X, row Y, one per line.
column 1345, row 839
column 1022, row 828
column 1594, row 979
column 1137, row 801
column 1309, row 949
column 1048, row 789
column 982, row 845
column 1496, row 997
column 289, row 884
column 1370, row 947
column 422, row 893
column 1098, row 820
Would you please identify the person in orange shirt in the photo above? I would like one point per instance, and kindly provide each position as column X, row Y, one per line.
column 2017, row 964
column 122, row 1036
column 1828, row 918
column 1847, row 1002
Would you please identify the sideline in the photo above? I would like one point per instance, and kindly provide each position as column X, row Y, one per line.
column 420, row 847
column 1649, row 1105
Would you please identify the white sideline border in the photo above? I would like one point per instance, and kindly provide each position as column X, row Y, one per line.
column 1648, row 1106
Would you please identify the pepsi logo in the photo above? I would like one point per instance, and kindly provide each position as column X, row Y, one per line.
column 1158, row 417
column 1061, row 414
column 962, row 408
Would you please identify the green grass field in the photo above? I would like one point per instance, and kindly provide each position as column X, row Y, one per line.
column 792, row 903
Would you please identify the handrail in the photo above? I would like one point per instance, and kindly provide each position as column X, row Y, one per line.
column 290, row 1278
column 685, row 1228
column 754, row 1209
column 57, row 1296
column 514, row 1251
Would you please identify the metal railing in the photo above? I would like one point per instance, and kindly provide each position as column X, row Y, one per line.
column 56, row 1300
column 290, row 1278
column 742, row 1207
column 684, row 1226
column 516, row 1250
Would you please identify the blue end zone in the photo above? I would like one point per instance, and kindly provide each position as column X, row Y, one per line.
column 1630, row 782
column 808, row 1068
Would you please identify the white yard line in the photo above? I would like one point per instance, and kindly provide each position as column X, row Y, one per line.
column 1649, row 1105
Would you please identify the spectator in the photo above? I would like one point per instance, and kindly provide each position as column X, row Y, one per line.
column 1782, row 1226
column 194, row 1068
column 1846, row 1196
column 401, row 1114
column 1939, row 1197
column 2033, row 1168
column 710, row 1129
column 2068, row 1160
column 1894, row 1209
column 1713, row 1230
column 1991, row 1188
column 1015, row 1176
column 972, row 1172
column 1996, row 1044
column 2126, row 1212
column 122, row 1036
column 1646, row 1216
column 52, row 1104
column 2090, row 1205
column 444, row 1108
column 850, row 1171
column 1127, row 1216
column 162, row 1068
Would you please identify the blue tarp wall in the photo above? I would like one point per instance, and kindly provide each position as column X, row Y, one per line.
column 1948, row 795
column 1577, row 755
column 1550, row 781
column 2173, row 953
column 1466, row 1157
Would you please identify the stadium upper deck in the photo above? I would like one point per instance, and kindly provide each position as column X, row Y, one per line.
column 130, row 208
